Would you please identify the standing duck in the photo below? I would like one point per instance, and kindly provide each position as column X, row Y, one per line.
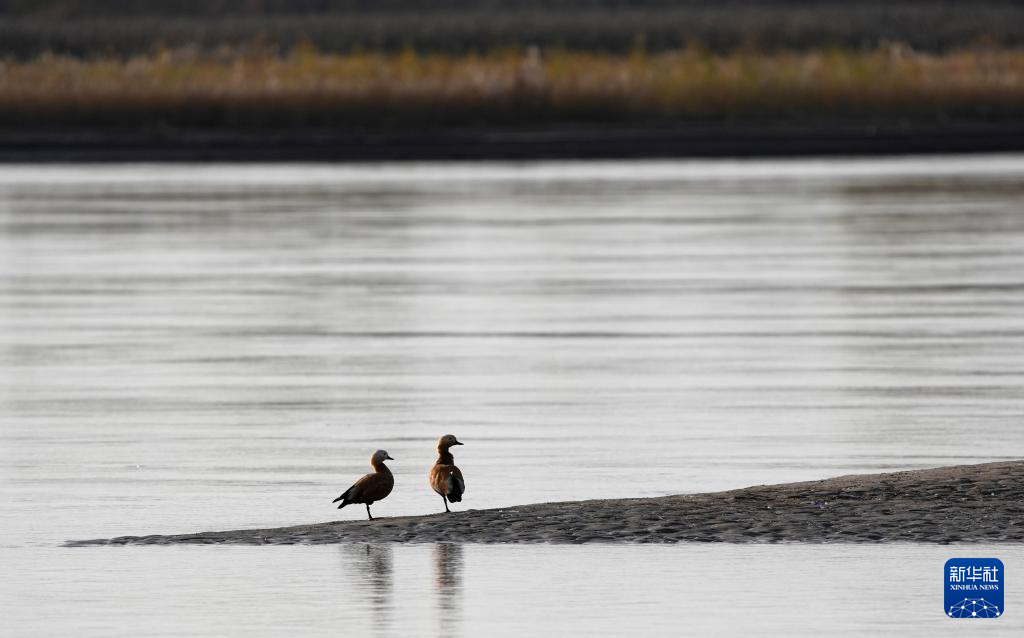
column 445, row 478
column 372, row 487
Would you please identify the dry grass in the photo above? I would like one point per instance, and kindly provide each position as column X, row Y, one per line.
column 310, row 89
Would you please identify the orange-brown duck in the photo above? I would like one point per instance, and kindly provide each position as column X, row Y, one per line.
column 372, row 487
column 445, row 478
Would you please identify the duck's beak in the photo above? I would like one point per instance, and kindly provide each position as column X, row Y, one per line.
column 456, row 443
column 388, row 457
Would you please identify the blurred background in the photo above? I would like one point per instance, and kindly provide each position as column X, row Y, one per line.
column 352, row 79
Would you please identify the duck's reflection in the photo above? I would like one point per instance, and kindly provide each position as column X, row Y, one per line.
column 373, row 567
column 448, row 582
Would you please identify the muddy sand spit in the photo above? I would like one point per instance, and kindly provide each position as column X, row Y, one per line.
column 966, row 503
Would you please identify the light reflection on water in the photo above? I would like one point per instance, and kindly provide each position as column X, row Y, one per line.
column 448, row 582
column 373, row 565
column 451, row 590
column 213, row 347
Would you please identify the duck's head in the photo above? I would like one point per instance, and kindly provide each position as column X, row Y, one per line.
column 447, row 441
column 379, row 457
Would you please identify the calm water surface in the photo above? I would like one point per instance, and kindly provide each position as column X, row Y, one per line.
column 194, row 347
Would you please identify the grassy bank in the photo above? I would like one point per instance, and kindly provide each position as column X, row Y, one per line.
column 512, row 88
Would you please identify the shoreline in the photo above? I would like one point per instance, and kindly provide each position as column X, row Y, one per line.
column 505, row 145
column 957, row 504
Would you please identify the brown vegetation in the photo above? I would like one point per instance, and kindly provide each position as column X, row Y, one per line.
column 509, row 88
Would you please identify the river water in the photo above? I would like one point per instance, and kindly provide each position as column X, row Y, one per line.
column 192, row 347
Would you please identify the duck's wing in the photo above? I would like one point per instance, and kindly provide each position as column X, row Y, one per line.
column 377, row 486
column 456, row 484
column 354, row 494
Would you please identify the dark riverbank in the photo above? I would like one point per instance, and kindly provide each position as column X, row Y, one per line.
column 132, row 27
column 967, row 503
column 564, row 144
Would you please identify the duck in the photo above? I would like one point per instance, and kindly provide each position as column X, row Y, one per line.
column 372, row 487
column 445, row 478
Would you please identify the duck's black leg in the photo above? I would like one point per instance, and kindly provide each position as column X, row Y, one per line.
column 445, row 499
column 368, row 512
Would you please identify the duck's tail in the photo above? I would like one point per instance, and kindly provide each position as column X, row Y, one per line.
column 455, row 489
column 343, row 498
